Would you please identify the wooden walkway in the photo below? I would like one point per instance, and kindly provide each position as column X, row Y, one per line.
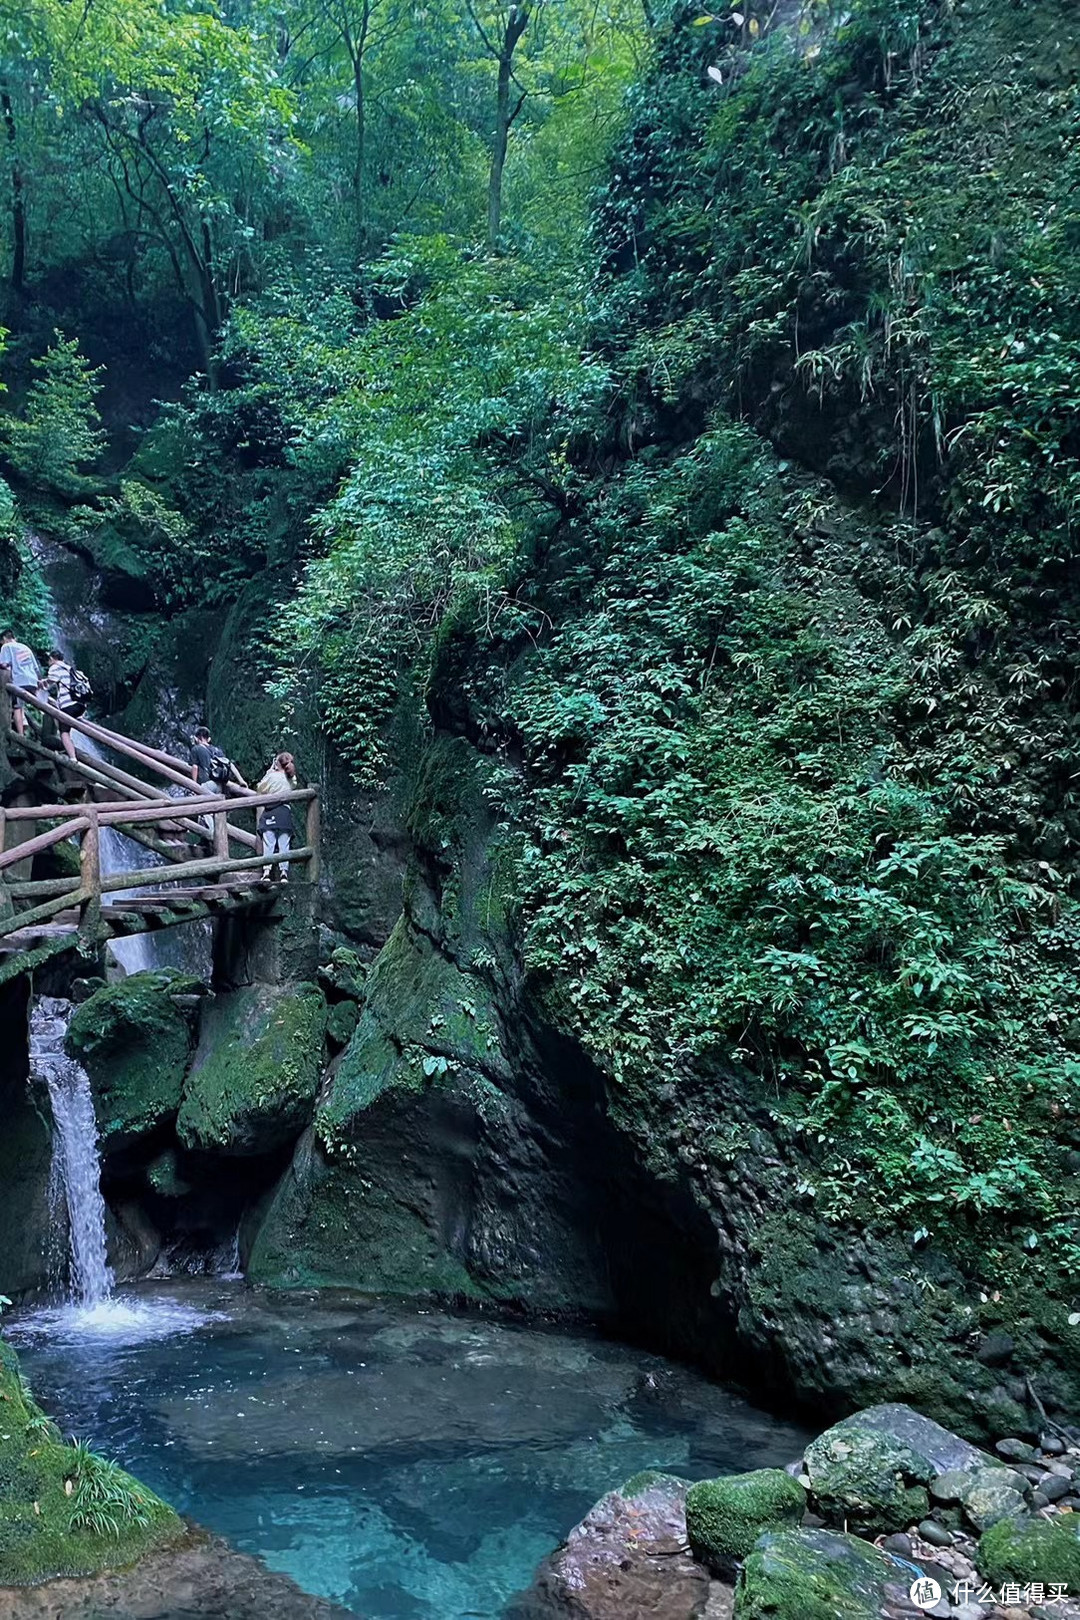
column 209, row 864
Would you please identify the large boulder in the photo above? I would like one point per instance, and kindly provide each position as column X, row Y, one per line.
column 1032, row 1549
column 66, row 1511
column 256, row 1071
column 134, row 1042
column 822, row 1575
column 725, row 1517
column 626, row 1559
column 872, row 1470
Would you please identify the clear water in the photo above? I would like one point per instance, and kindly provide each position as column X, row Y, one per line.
column 411, row 1465
column 76, row 1167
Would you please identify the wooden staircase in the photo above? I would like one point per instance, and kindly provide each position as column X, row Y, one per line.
column 210, row 864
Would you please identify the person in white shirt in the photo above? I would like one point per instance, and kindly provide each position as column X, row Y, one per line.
column 19, row 669
column 58, row 681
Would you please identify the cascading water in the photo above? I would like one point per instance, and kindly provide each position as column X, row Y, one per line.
column 76, row 1165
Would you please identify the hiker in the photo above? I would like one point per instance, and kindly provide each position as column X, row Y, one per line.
column 211, row 768
column 19, row 669
column 64, row 686
column 276, row 821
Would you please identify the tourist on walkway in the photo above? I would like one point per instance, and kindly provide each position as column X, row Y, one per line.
column 58, row 678
column 276, row 821
column 19, row 670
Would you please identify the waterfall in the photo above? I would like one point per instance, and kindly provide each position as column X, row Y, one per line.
column 76, row 1167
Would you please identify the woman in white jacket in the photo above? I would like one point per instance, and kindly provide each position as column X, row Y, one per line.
column 276, row 821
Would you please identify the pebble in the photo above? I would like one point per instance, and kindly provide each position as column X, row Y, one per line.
column 1031, row 1472
column 1054, row 1487
column 935, row 1534
column 1015, row 1450
column 898, row 1544
column 1051, row 1445
column 1039, row 1499
column 1062, row 1469
column 968, row 1611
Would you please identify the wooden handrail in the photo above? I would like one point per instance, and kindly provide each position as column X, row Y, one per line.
column 118, row 810
column 34, row 846
column 166, row 765
column 206, row 866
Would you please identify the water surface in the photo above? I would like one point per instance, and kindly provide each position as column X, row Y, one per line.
column 409, row 1464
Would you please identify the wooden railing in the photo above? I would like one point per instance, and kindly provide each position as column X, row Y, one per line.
column 149, row 814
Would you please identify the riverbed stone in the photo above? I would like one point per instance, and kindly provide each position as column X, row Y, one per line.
column 724, row 1517
column 990, row 1500
column 256, row 1071
column 874, row 1468
column 820, row 1575
column 626, row 1560
column 1031, row 1549
column 134, row 1043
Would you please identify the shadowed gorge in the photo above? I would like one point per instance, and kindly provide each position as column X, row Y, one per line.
column 624, row 460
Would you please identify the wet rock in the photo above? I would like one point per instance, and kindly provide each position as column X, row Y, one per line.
column 626, row 1560
column 1015, row 1451
column 821, row 1575
column 205, row 1579
column 1051, row 1445
column 988, row 1502
column 1024, row 1550
column 873, row 1469
column 253, row 1081
column 900, row 1544
column 724, row 1517
column 134, row 1043
column 1054, row 1487
column 935, row 1534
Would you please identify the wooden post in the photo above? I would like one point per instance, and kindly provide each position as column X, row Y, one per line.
column 311, row 838
column 90, row 873
column 221, row 834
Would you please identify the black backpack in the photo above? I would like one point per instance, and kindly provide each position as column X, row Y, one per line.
column 220, row 766
column 79, row 686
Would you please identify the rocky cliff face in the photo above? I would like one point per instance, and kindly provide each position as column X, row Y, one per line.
column 713, row 957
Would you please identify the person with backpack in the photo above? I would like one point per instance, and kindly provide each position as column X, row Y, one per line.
column 70, row 691
column 19, row 670
column 276, row 821
column 211, row 768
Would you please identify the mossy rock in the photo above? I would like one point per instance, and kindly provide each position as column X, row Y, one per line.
column 63, row 1510
column 872, row 1470
column 724, row 1517
column 1025, row 1550
column 134, row 1043
column 252, row 1086
column 815, row 1575
column 342, row 1021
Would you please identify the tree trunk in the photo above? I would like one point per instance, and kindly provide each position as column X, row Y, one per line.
column 358, row 169
column 18, row 197
column 516, row 24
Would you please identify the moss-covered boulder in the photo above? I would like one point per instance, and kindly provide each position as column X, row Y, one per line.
column 256, row 1071
column 725, row 1517
column 1031, row 1549
column 817, row 1575
column 64, row 1510
column 134, row 1043
column 872, row 1470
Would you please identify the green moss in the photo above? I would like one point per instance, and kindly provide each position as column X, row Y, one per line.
column 424, row 1020
column 1025, row 1550
column 724, row 1517
column 63, row 1510
column 256, row 1071
column 134, row 1043
column 813, row 1575
column 342, row 1022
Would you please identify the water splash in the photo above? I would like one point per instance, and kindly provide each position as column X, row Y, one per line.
column 76, row 1164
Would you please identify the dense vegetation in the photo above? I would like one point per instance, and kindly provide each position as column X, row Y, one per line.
column 732, row 513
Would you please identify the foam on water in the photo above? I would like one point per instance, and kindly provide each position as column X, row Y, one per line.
column 119, row 1321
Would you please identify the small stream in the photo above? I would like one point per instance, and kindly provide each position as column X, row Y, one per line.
column 409, row 1464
